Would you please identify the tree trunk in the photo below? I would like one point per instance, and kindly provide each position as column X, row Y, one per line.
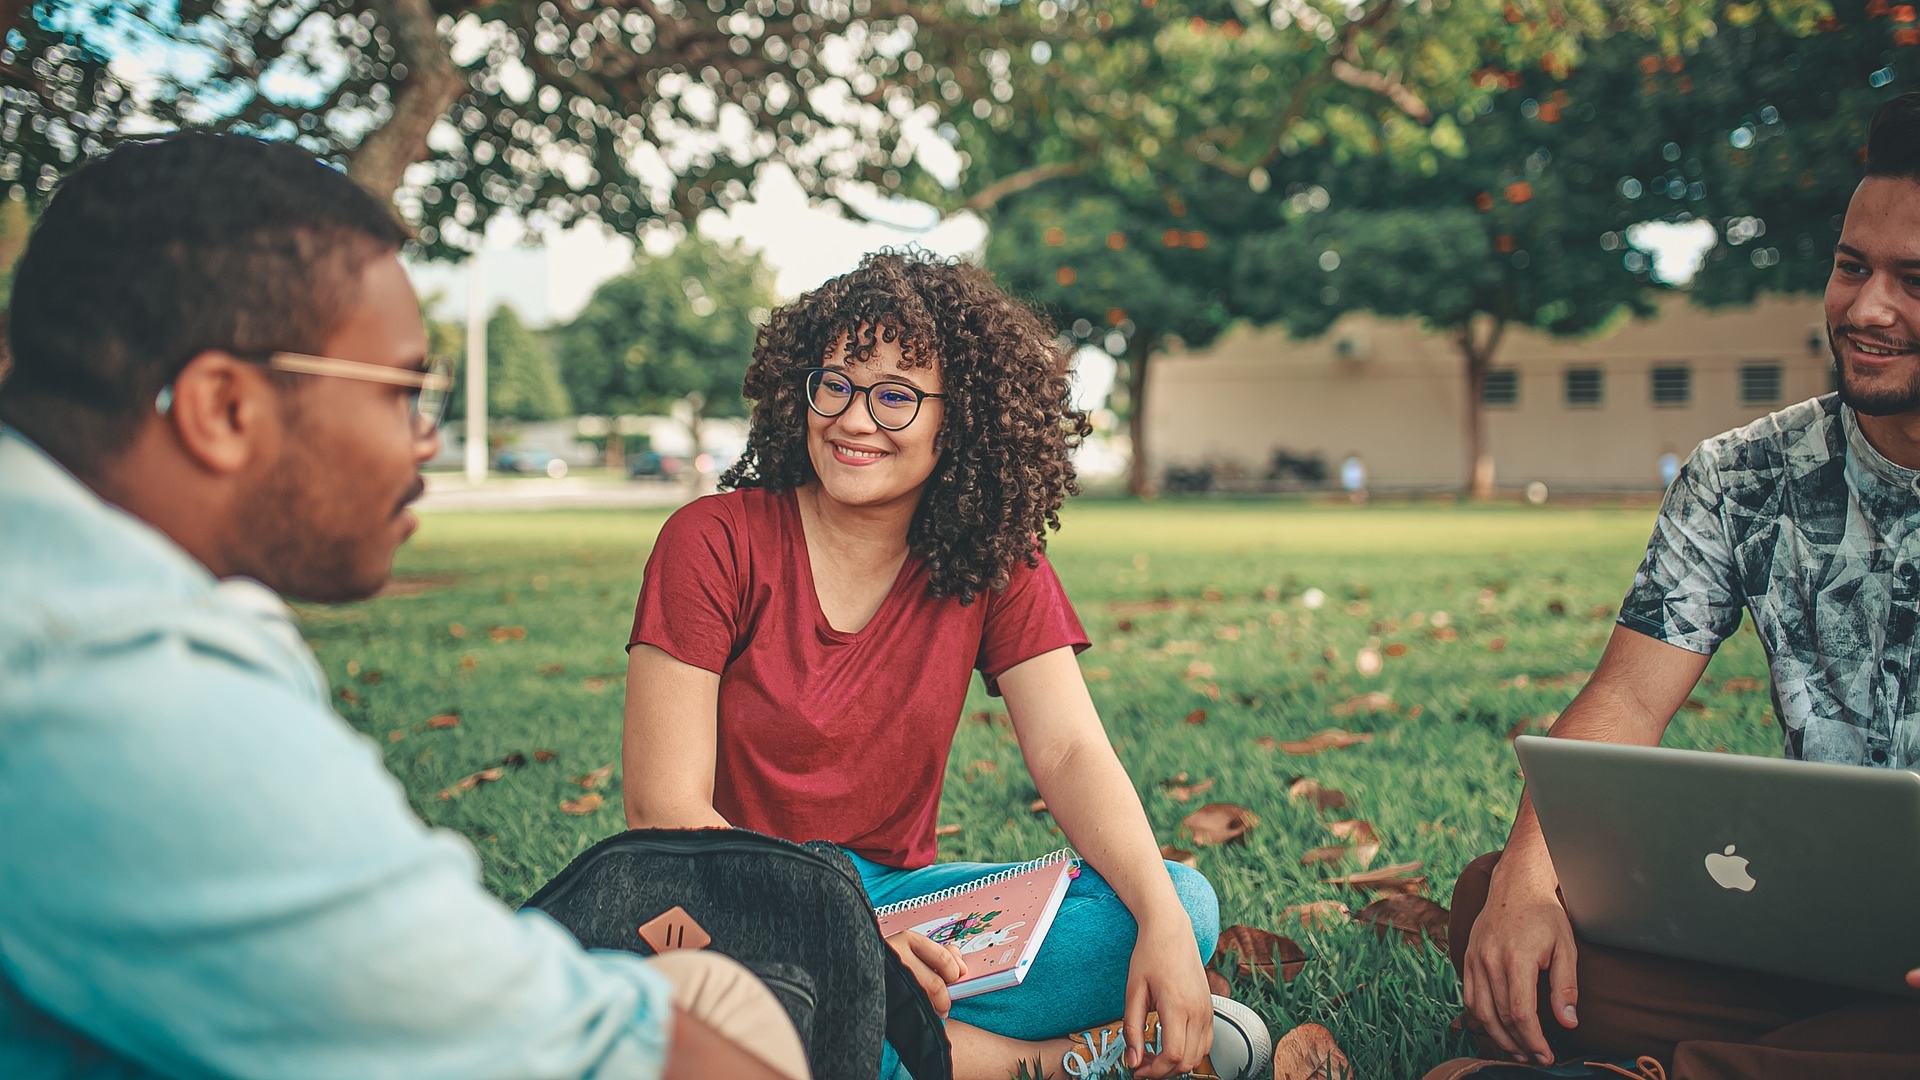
column 1477, row 351
column 1139, row 480
column 432, row 84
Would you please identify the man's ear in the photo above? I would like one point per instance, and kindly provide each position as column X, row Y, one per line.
column 225, row 412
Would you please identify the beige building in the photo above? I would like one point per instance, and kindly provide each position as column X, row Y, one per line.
column 1588, row 414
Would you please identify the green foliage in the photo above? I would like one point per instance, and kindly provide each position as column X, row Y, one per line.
column 522, row 381
column 676, row 327
column 1158, row 586
column 62, row 103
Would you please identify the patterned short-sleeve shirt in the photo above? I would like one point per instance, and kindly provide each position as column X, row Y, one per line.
column 1800, row 521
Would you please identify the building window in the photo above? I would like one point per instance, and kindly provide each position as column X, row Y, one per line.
column 1501, row 388
column 1759, row 384
column 1673, row 385
column 1586, row 387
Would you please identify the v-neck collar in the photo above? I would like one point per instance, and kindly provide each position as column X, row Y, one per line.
column 811, row 590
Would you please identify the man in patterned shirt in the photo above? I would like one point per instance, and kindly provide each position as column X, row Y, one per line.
column 1806, row 520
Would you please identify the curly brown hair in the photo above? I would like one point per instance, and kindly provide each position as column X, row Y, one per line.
column 1004, row 466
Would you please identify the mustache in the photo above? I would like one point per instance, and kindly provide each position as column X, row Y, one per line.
column 1877, row 340
column 418, row 489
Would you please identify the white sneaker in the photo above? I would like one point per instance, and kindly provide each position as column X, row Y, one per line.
column 1242, row 1047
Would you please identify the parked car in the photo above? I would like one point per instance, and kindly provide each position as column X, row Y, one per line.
column 654, row 465
column 530, row 459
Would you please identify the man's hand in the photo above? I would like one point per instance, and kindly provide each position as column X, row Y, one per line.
column 933, row 966
column 1522, row 932
column 1167, row 977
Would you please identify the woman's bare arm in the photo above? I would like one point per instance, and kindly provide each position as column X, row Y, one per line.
column 668, row 748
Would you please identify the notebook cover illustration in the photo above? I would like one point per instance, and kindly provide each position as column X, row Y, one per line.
column 997, row 922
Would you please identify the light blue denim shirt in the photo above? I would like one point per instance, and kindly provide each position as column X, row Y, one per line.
column 205, row 872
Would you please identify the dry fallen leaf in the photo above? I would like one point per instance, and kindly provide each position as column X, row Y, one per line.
column 1368, row 662
column 1331, row 739
column 1497, row 644
column 1217, row 823
column 456, row 630
column 1098, row 674
column 1694, row 705
column 1199, row 669
column 1180, row 855
column 1318, row 913
column 1397, row 878
column 1182, row 792
column 1353, row 830
column 947, row 830
column 1740, row 684
column 484, row 776
column 1413, row 916
column 1266, row 742
column 1364, row 854
column 1396, row 649
column 444, row 720
column 349, row 696
column 1531, row 723
column 1261, row 952
column 594, row 685
column 596, row 778
column 985, row 766
column 396, row 735
column 1444, row 633
column 1039, row 806
column 1197, row 716
column 1325, row 798
column 508, row 633
column 1309, row 1052
column 585, row 804
column 1332, row 853
column 544, row 755
column 371, row 678
column 553, row 669
column 1218, row 984
column 1372, row 702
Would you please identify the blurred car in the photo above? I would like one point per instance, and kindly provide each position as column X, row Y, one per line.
column 530, row 459
column 653, row 465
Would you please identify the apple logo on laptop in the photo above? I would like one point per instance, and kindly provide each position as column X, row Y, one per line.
column 1729, row 871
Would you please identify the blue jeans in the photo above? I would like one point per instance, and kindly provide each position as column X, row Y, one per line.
column 1079, row 980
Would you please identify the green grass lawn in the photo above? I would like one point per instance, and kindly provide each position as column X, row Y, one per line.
column 515, row 623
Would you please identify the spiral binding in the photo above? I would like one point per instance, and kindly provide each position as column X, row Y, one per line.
column 1064, row 854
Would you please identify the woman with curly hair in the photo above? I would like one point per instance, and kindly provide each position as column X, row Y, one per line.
column 803, row 645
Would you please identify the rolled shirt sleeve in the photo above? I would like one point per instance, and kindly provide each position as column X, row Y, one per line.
column 1685, row 592
column 208, row 873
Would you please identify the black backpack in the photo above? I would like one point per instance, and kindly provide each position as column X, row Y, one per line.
column 794, row 914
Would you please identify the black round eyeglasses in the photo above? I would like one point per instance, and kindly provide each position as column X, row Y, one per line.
column 893, row 405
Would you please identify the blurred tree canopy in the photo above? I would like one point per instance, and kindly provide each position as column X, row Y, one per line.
column 1515, row 206
column 523, row 382
column 676, row 328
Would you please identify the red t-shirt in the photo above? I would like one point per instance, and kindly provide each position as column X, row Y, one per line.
column 825, row 735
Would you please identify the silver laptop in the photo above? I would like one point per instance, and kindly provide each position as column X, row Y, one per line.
column 1779, row 866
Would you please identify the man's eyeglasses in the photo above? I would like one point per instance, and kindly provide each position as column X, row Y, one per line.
column 893, row 405
column 432, row 385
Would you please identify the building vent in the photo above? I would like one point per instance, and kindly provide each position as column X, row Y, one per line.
column 1502, row 388
column 1672, row 385
column 1586, row 387
column 1760, row 384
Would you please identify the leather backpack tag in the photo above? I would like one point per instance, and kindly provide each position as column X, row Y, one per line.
column 674, row 929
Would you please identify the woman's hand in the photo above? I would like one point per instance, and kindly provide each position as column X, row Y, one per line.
column 1166, row 976
column 933, row 966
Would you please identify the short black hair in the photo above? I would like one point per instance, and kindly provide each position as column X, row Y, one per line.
column 162, row 250
column 1893, row 142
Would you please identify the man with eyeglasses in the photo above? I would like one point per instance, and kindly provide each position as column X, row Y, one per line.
column 220, row 393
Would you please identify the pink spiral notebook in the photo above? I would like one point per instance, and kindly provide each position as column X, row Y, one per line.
column 996, row 922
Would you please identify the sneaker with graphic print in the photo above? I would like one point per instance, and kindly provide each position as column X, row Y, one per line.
column 1242, row 1047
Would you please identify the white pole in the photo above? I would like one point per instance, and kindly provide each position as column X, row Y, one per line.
column 476, row 372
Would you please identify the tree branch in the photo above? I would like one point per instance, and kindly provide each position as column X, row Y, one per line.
column 432, row 85
column 991, row 195
column 1392, row 89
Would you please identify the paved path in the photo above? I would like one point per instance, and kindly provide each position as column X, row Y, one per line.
column 538, row 493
